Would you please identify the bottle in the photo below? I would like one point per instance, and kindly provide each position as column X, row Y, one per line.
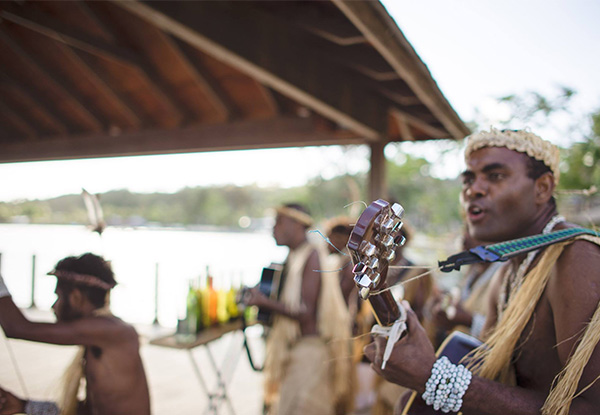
column 222, row 309
column 212, row 299
column 232, row 305
column 192, row 310
column 198, row 293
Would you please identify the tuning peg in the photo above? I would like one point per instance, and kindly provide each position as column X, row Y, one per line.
column 364, row 293
column 399, row 240
column 368, row 249
column 390, row 255
column 373, row 263
column 398, row 210
column 363, row 281
column 375, row 278
column 387, row 241
column 360, row 268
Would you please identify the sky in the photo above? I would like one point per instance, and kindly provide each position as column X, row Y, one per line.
column 476, row 50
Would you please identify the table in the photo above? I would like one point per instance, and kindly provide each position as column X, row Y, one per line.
column 223, row 371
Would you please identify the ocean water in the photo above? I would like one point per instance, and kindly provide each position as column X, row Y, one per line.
column 142, row 259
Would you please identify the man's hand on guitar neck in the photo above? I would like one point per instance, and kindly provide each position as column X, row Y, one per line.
column 412, row 358
column 253, row 296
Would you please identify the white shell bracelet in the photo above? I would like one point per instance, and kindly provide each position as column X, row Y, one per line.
column 446, row 386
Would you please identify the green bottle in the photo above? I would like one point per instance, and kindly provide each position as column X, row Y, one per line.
column 192, row 310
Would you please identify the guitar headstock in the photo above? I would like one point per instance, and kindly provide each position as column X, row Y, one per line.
column 373, row 244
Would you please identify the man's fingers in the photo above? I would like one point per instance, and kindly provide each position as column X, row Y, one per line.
column 412, row 321
column 374, row 351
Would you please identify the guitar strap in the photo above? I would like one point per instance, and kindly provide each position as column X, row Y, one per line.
column 503, row 251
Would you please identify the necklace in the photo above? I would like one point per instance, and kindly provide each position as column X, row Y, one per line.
column 515, row 280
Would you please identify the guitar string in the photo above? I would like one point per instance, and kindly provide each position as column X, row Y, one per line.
column 431, row 270
column 358, row 201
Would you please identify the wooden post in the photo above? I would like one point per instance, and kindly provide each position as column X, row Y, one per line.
column 377, row 173
column 156, row 294
column 32, row 282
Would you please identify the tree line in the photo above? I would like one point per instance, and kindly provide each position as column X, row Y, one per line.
column 431, row 203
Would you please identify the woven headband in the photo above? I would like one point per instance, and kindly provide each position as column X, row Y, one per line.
column 83, row 279
column 301, row 217
column 517, row 140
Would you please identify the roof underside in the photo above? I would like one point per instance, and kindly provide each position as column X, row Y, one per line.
column 106, row 78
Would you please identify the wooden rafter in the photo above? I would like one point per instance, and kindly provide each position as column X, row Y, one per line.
column 404, row 120
column 273, row 55
column 16, row 123
column 39, row 72
column 35, row 103
column 123, row 104
column 219, row 99
column 137, row 32
column 268, row 98
column 374, row 22
column 45, row 25
column 237, row 135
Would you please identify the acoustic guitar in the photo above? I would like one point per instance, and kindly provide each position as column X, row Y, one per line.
column 372, row 244
column 270, row 281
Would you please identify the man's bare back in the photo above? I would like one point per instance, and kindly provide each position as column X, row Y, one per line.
column 116, row 380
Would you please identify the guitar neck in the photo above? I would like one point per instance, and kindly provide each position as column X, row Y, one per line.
column 385, row 307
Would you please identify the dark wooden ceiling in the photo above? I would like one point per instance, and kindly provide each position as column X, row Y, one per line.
column 108, row 78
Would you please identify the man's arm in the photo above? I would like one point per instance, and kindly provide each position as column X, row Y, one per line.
column 92, row 331
column 311, row 286
column 574, row 295
column 411, row 363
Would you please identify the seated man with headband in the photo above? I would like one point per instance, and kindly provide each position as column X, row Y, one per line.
column 109, row 359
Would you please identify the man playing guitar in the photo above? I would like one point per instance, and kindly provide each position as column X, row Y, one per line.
column 541, row 353
column 310, row 318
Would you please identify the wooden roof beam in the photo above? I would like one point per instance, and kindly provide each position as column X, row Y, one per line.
column 36, row 102
column 403, row 126
column 339, row 32
column 270, row 52
column 16, row 123
column 206, row 81
column 237, row 135
column 375, row 23
column 45, row 25
column 41, row 71
column 404, row 120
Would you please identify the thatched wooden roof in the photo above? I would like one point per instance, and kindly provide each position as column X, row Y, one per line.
column 107, row 78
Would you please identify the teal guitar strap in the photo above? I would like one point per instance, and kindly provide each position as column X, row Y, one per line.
column 503, row 251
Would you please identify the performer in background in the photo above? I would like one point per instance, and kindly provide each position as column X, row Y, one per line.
column 541, row 353
column 466, row 306
column 307, row 362
column 109, row 361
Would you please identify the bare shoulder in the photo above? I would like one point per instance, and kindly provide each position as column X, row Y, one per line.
column 313, row 263
column 111, row 328
column 577, row 267
column 574, row 286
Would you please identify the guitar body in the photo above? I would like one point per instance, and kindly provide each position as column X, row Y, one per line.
column 456, row 346
column 270, row 280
